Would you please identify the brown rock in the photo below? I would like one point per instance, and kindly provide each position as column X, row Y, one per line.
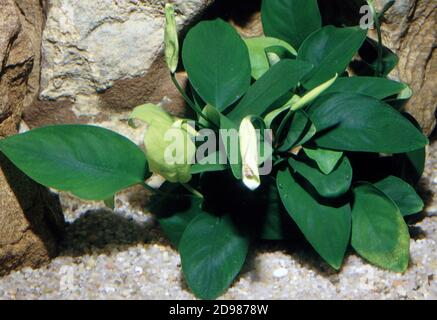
column 30, row 218
column 410, row 29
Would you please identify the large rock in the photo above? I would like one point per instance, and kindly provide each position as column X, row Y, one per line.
column 104, row 56
column 410, row 29
column 30, row 218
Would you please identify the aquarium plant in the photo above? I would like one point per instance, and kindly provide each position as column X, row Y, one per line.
column 285, row 141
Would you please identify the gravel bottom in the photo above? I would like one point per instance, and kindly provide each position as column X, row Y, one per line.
column 123, row 255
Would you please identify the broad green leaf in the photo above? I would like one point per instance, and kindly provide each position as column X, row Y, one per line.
column 91, row 162
column 213, row 252
column 258, row 56
column 352, row 122
column 300, row 131
column 330, row 185
column 217, row 63
column 171, row 41
column 326, row 228
column 175, row 224
column 325, row 159
column 378, row 88
column 330, row 50
column 282, row 77
column 290, row 20
column 170, row 149
column 379, row 232
column 402, row 194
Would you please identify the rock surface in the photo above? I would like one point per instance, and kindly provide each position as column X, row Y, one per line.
column 410, row 30
column 29, row 215
column 105, row 56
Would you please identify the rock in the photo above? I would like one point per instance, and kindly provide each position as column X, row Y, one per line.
column 30, row 218
column 410, row 30
column 104, row 57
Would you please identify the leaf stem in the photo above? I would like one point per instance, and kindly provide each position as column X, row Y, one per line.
column 187, row 99
column 377, row 23
column 192, row 190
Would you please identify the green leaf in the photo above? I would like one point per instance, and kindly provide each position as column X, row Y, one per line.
column 379, row 232
column 330, row 185
column 228, row 132
column 276, row 82
column 300, row 131
column 325, row 159
column 91, row 162
column 326, row 228
column 330, row 50
column 353, row 122
column 378, row 88
column 290, row 20
column 212, row 253
column 258, row 56
column 217, row 63
column 402, row 194
column 175, row 224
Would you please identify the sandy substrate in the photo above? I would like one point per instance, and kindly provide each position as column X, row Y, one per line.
column 122, row 254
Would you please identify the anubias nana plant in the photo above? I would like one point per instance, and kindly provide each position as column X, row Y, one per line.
column 344, row 158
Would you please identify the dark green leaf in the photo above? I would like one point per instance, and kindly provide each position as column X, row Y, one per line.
column 174, row 225
column 326, row 228
column 326, row 159
column 378, row 88
column 330, row 185
column 379, row 232
column 276, row 82
column 402, row 194
column 212, row 253
column 217, row 63
column 290, row 20
column 353, row 122
column 300, row 131
column 330, row 50
column 91, row 162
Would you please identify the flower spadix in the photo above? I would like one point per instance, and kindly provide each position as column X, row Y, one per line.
column 249, row 154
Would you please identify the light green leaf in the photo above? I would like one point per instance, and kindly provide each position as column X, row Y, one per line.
column 91, row 162
column 326, row 228
column 217, row 63
column 212, row 252
column 330, row 50
column 402, row 194
column 379, row 232
column 258, row 56
column 290, row 20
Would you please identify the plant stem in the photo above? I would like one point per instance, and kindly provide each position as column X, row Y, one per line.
column 283, row 124
column 187, row 99
column 378, row 31
column 192, row 190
